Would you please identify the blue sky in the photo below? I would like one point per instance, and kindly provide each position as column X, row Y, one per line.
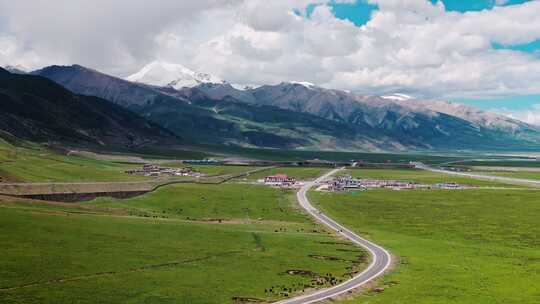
column 474, row 5
column 517, row 103
column 531, row 47
column 359, row 13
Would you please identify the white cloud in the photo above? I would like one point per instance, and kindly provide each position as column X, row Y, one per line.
column 109, row 35
column 409, row 45
column 13, row 53
column 531, row 116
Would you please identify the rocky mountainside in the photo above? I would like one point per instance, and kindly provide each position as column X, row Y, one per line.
column 346, row 106
column 35, row 108
column 87, row 81
column 419, row 122
column 468, row 113
column 195, row 116
column 302, row 115
column 17, row 69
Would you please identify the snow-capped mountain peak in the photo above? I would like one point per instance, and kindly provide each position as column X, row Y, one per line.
column 16, row 69
column 397, row 96
column 177, row 76
column 306, row 84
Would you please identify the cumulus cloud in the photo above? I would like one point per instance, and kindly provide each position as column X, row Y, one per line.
column 411, row 46
column 110, row 35
column 12, row 53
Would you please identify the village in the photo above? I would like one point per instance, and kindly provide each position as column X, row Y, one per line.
column 345, row 183
column 157, row 171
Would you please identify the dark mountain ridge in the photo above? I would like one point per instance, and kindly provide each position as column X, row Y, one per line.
column 200, row 118
column 294, row 115
column 36, row 108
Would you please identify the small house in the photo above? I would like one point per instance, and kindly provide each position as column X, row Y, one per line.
column 279, row 180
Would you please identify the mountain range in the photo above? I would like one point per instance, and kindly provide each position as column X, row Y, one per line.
column 38, row 109
column 202, row 108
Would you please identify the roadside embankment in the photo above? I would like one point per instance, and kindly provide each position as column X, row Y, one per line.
column 75, row 192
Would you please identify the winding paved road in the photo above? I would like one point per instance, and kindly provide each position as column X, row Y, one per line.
column 511, row 180
column 381, row 259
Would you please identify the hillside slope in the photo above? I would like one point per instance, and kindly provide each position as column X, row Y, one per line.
column 35, row 108
column 198, row 117
column 419, row 123
column 297, row 115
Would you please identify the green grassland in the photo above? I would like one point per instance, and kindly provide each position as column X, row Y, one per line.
column 29, row 162
column 216, row 170
column 502, row 163
column 514, row 174
column 158, row 248
column 34, row 163
column 301, row 155
column 202, row 202
column 154, row 152
column 5, row 149
column 419, row 176
column 469, row 246
column 300, row 173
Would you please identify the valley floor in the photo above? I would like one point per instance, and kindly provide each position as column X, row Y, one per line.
column 239, row 242
column 181, row 244
column 453, row 246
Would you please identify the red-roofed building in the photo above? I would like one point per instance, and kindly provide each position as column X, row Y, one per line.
column 279, row 179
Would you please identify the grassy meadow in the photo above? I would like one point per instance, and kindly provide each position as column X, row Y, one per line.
column 419, row 176
column 470, row 246
column 216, row 170
column 502, row 163
column 243, row 243
column 212, row 202
column 181, row 244
column 305, row 173
column 515, row 174
column 28, row 162
column 35, row 163
column 302, row 155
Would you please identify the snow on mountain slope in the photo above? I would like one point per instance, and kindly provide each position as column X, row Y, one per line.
column 308, row 85
column 266, row 116
column 16, row 69
column 161, row 73
column 397, row 96
column 472, row 114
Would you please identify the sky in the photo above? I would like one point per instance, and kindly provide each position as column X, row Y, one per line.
column 481, row 52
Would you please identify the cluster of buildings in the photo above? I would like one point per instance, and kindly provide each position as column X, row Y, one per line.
column 203, row 161
column 280, row 180
column 156, row 171
column 390, row 184
column 343, row 183
column 450, row 186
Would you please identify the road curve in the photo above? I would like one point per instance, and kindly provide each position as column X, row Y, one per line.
column 381, row 258
column 503, row 179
